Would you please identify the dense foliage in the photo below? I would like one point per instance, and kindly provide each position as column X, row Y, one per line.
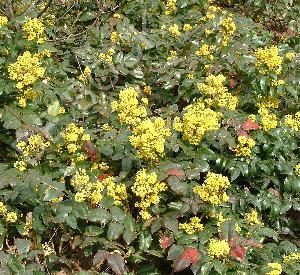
column 149, row 137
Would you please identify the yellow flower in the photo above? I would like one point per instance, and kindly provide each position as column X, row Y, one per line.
column 217, row 93
column 129, row 110
column 192, row 227
column 173, row 55
column 196, row 121
column 115, row 37
column 268, row 60
column 147, row 189
column 297, row 169
column 61, row 110
column 214, row 189
column 277, row 269
column 34, row 30
column 244, row 147
column 218, row 249
column 147, row 90
column 174, row 30
column 117, row 16
column 291, row 258
column 206, row 50
column 3, row 20
column 268, row 120
column 290, row 55
column 3, row 209
column 292, row 121
column 26, row 70
column 11, row 217
column 252, row 117
column 170, row 7
column 20, row 165
column 252, row 218
column 149, row 139
column 187, row 27
column 34, row 145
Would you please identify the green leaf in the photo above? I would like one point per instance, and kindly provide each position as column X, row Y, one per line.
column 71, row 221
column 22, row 245
column 114, row 231
column 206, row 268
column 116, row 262
column 53, row 108
column 177, row 185
column 219, row 267
column 171, row 223
column 99, row 215
column 145, row 240
column 117, row 214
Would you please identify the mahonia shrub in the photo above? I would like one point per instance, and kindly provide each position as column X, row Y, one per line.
column 149, row 137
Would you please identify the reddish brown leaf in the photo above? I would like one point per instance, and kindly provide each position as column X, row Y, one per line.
column 250, row 125
column 191, row 254
column 239, row 252
column 103, row 176
column 232, row 83
column 241, row 132
column 176, row 172
column 91, row 150
column 165, row 241
column 181, row 264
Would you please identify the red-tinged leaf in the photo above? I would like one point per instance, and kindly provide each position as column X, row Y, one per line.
column 253, row 243
column 176, row 172
column 91, row 150
column 250, row 125
column 104, row 176
column 289, row 31
column 165, row 241
column 241, row 133
column 232, row 83
column 191, row 254
column 239, row 252
column 116, row 262
column 181, row 264
column 99, row 257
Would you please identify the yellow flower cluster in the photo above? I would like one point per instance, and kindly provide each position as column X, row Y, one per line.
column 147, row 90
column 129, row 109
column 214, row 189
column 251, row 218
column 244, row 147
column 85, row 189
column 174, row 30
column 108, row 56
column 268, row 60
column 211, row 13
column 293, row 257
column 73, row 137
column 187, row 27
column 147, row 189
column 117, row 16
column 268, row 119
column 293, row 121
column 10, row 217
column 267, row 102
column 3, row 20
column 277, row 269
column 34, row 30
column 290, row 55
column 117, row 191
column 34, row 145
column 149, row 139
column 20, row 165
column 192, row 226
column 297, row 169
column 217, row 93
column 228, row 29
column 85, row 74
column 218, row 248
column 26, row 71
column 115, row 37
column 170, row 7
column 196, row 121
column 173, row 55
column 206, row 50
